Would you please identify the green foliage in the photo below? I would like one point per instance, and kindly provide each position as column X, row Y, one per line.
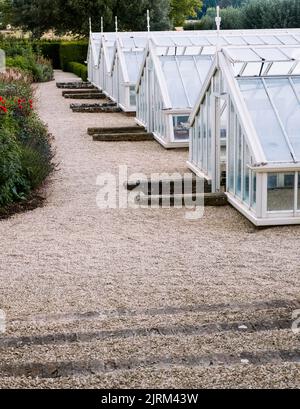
column 39, row 68
column 180, row 9
column 20, row 54
column 232, row 18
column 25, row 150
column 72, row 51
column 271, row 14
column 49, row 50
column 132, row 15
column 72, row 15
column 251, row 14
column 13, row 184
column 5, row 13
column 79, row 69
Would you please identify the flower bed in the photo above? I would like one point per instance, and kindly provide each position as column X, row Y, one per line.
column 25, row 150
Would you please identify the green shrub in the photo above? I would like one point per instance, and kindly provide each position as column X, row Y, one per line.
column 25, row 149
column 50, row 51
column 73, row 51
column 79, row 69
column 13, row 184
column 40, row 69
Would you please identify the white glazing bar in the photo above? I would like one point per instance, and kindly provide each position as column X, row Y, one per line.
column 294, row 89
column 278, row 38
column 267, row 70
column 197, row 69
column 279, row 121
column 242, row 69
column 293, row 68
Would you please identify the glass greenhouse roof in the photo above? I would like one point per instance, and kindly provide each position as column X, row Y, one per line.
column 274, row 106
column 184, row 76
column 133, row 61
column 264, row 60
column 134, row 42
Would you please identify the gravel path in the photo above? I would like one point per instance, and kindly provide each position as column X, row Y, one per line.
column 70, row 267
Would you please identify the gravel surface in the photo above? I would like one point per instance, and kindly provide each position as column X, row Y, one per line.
column 63, row 263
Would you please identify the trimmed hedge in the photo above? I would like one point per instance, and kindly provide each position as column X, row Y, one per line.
column 49, row 50
column 72, row 51
column 78, row 69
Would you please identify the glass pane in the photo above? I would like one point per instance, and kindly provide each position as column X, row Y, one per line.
column 236, row 40
column 288, row 39
column 242, row 54
column 204, row 135
column 246, row 174
column 254, row 184
column 238, row 166
column 288, row 109
column 182, row 41
column 223, row 134
column 270, row 54
column 132, row 96
column 140, row 42
column 174, row 82
column 200, row 41
column 214, row 40
column 133, row 62
column 281, row 68
column 265, row 121
column 203, row 64
column 254, row 69
column 272, row 40
column 253, row 40
column 281, row 191
column 181, row 128
column 298, row 190
column 231, row 138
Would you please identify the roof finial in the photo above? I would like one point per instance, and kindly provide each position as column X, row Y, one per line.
column 116, row 23
column 148, row 21
column 218, row 23
column 102, row 25
column 90, row 24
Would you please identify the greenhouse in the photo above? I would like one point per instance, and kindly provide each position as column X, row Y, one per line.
column 114, row 59
column 104, row 78
column 246, row 125
column 167, row 90
column 93, row 56
column 126, row 64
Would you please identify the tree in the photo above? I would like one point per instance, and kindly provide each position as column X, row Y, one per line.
column 271, row 14
column 181, row 9
column 5, row 13
column 73, row 15
column 132, row 14
column 34, row 15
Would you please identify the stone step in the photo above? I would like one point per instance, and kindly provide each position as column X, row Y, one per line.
column 80, row 92
column 114, row 130
column 123, row 137
column 208, row 199
column 168, row 185
column 109, row 107
column 87, row 95
column 75, row 85
column 178, row 337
